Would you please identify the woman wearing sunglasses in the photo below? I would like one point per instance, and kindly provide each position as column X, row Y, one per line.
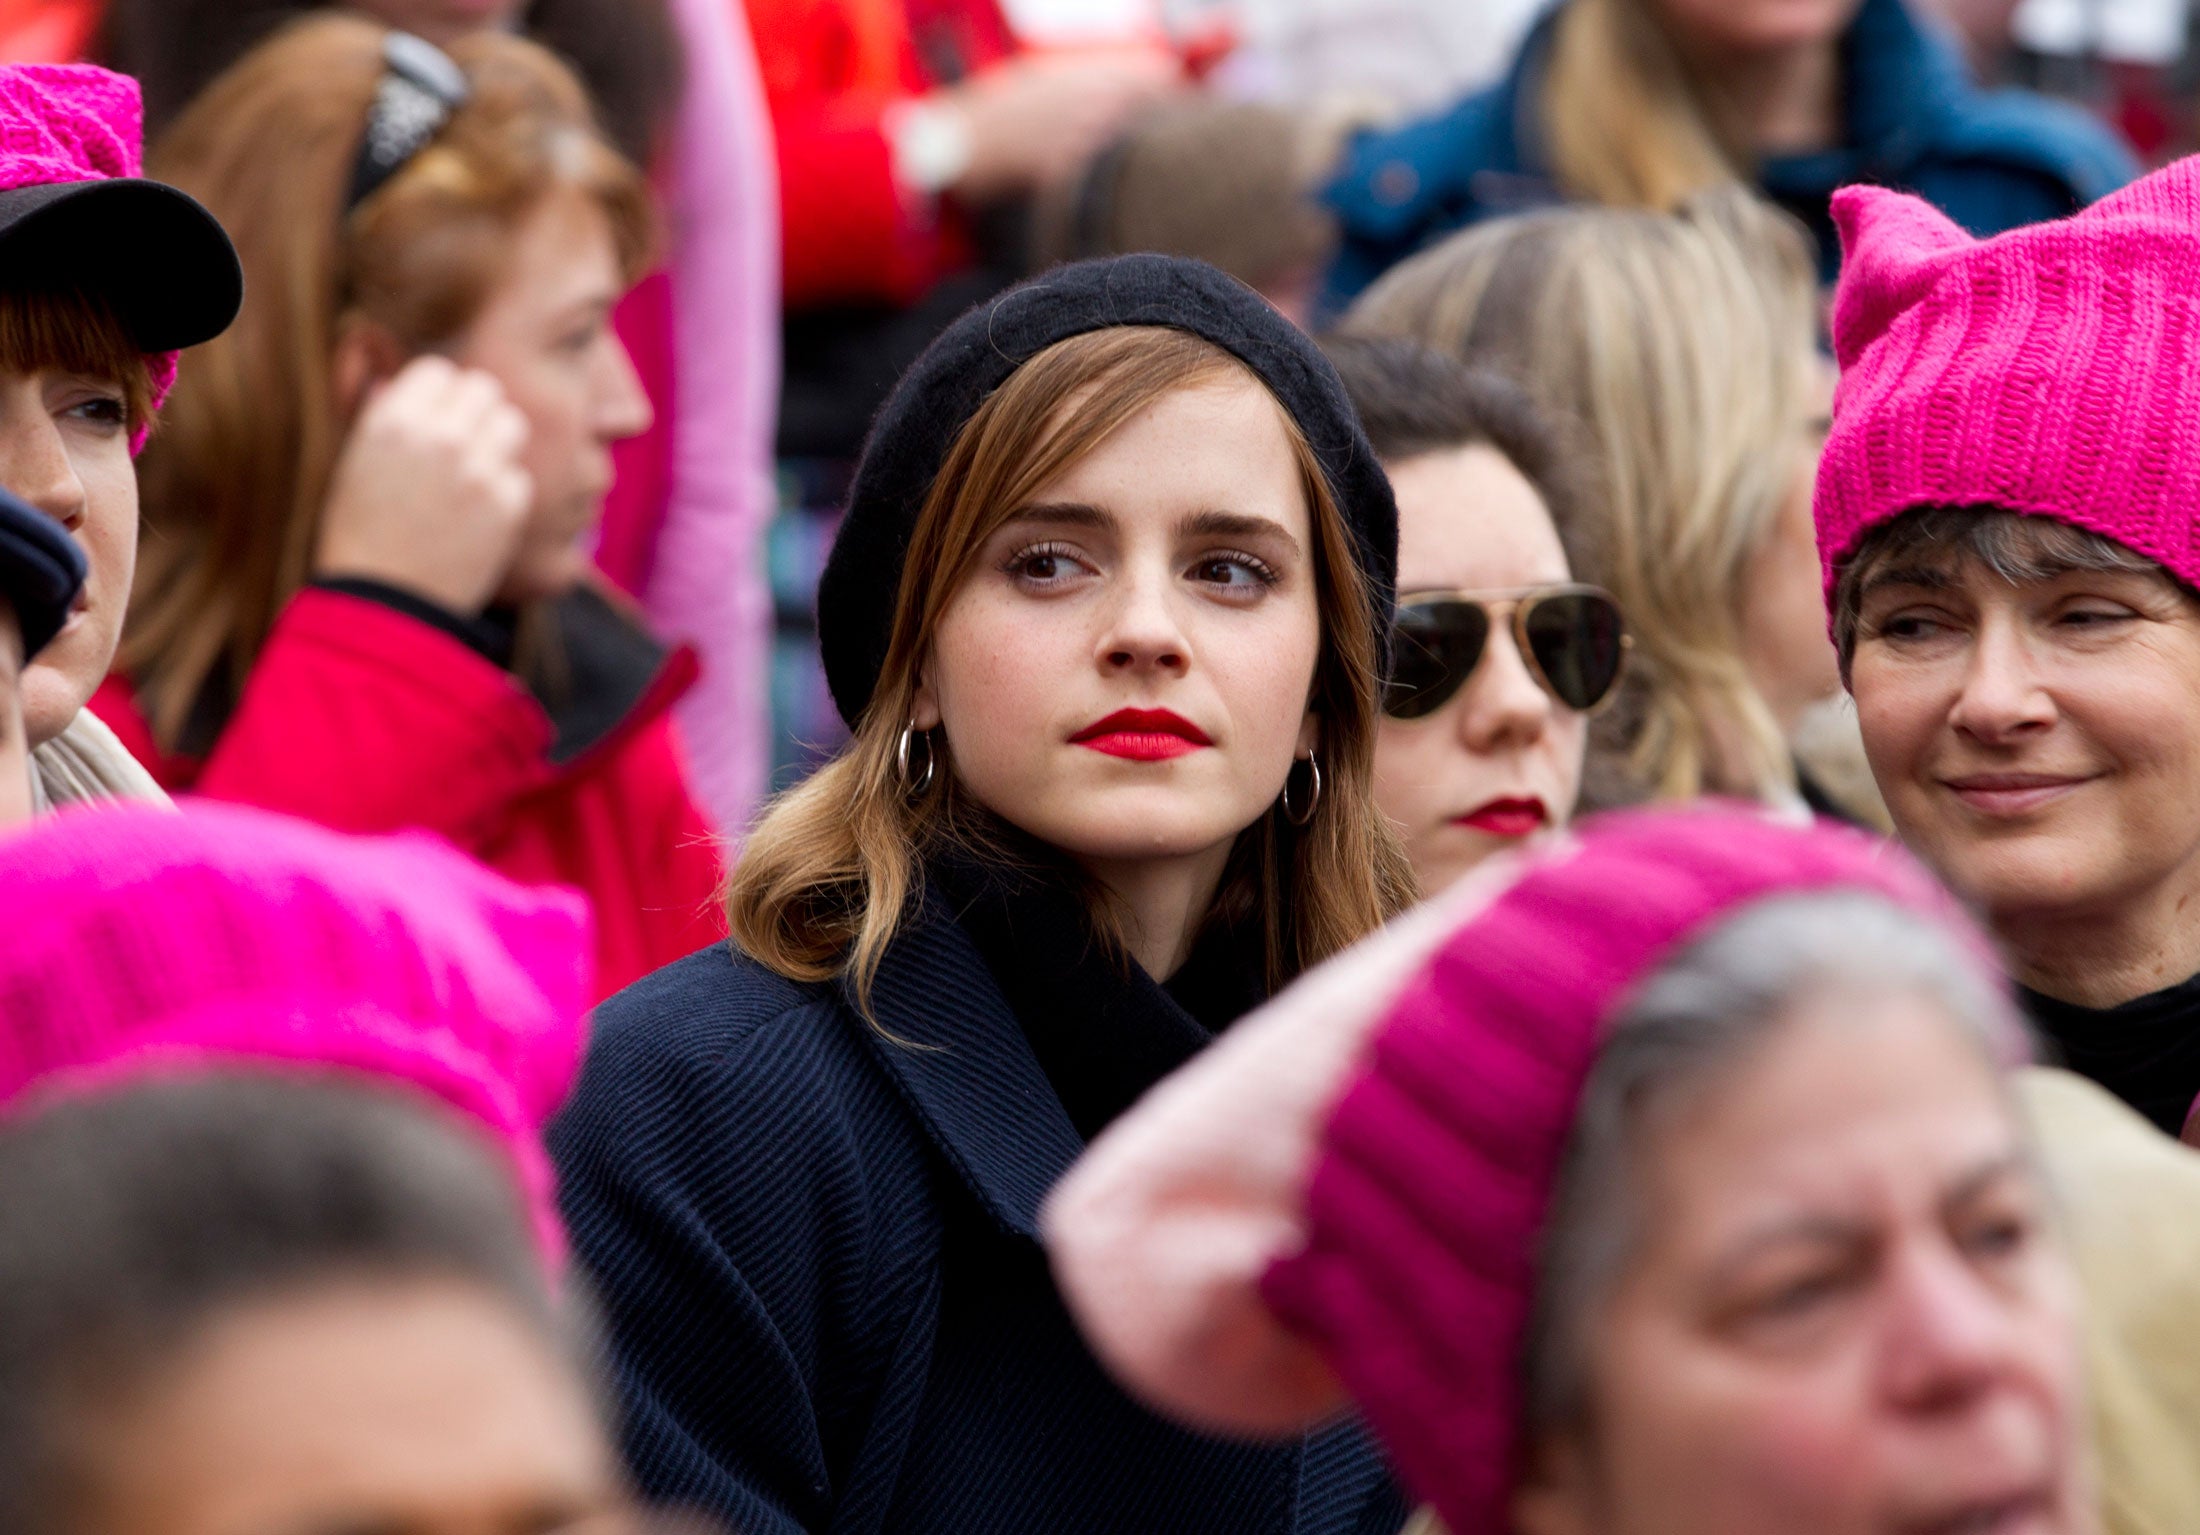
column 1500, row 655
column 1679, row 351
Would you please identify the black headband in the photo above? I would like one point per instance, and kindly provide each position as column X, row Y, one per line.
column 421, row 87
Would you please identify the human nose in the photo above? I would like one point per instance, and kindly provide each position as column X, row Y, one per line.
column 1503, row 705
column 1952, row 1337
column 622, row 404
column 1142, row 632
column 35, row 463
column 2004, row 695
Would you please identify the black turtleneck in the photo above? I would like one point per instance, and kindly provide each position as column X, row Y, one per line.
column 1104, row 1031
column 2145, row 1051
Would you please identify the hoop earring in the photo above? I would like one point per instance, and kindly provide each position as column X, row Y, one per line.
column 902, row 747
column 1291, row 812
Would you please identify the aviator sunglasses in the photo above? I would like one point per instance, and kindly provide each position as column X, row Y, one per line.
column 1572, row 638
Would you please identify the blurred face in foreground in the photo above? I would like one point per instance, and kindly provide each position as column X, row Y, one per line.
column 1844, row 1315
column 423, row 1406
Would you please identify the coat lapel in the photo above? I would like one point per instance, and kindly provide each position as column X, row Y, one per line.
column 948, row 1039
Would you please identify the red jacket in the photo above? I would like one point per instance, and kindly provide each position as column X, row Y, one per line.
column 367, row 719
column 831, row 69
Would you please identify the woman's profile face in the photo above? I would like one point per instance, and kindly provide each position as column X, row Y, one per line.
column 423, row 1405
column 65, row 449
column 545, row 335
column 1125, row 673
column 2037, row 743
column 1501, row 760
column 1845, row 1314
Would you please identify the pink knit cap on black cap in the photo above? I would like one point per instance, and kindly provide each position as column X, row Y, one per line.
column 1426, row 1209
column 2053, row 370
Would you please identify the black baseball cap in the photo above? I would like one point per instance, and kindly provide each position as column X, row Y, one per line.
column 41, row 571
column 156, row 256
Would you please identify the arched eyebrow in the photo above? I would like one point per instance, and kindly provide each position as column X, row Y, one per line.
column 1221, row 524
column 1212, row 523
column 1068, row 514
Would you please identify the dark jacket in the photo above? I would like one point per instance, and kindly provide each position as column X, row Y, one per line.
column 815, row 1245
column 1991, row 160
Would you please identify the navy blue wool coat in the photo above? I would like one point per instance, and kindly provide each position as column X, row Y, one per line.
column 815, row 1246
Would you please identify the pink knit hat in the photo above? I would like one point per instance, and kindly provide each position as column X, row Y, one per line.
column 141, row 940
column 2054, row 369
column 1390, row 1218
column 73, row 205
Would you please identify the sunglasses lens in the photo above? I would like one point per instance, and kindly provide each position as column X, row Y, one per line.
column 1577, row 641
column 1437, row 646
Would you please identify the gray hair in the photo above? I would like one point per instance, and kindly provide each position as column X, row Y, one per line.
column 1702, row 1014
column 2018, row 547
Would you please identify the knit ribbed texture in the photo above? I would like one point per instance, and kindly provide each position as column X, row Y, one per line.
column 1426, row 1209
column 76, row 122
column 2053, row 370
column 139, row 940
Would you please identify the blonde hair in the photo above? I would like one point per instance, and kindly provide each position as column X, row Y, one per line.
column 830, row 873
column 1680, row 350
column 235, row 482
column 1626, row 122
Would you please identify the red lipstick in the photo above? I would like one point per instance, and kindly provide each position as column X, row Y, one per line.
column 1508, row 817
column 1143, row 735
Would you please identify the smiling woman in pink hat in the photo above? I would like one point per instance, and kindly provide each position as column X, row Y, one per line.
column 89, row 330
column 2007, row 512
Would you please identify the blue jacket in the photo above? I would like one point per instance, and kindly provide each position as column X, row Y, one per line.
column 1991, row 160
column 814, row 1244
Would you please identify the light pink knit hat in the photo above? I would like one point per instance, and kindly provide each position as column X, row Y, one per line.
column 1390, row 1221
column 140, row 940
column 158, row 256
column 2053, row 370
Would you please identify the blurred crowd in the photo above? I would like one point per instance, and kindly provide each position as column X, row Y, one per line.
column 1227, row 767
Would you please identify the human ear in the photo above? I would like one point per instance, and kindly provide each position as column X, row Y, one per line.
column 366, row 355
column 1310, row 735
column 1554, row 1493
column 924, row 704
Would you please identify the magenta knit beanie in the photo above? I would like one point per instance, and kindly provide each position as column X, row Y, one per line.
column 2053, row 370
column 1427, row 1203
column 142, row 940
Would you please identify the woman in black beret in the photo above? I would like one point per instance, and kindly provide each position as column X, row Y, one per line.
column 1106, row 618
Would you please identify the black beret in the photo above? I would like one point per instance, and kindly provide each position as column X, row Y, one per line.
column 944, row 388
column 41, row 571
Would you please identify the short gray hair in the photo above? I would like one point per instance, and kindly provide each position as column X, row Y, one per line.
column 2016, row 546
column 1705, row 1011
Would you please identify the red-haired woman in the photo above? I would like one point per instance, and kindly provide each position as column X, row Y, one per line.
column 362, row 596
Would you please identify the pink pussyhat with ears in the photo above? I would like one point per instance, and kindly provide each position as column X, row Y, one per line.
column 1343, row 1200
column 75, row 211
column 2053, row 370
column 140, row 940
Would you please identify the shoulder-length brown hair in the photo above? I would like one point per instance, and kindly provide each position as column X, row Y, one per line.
column 234, row 485
column 830, row 873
